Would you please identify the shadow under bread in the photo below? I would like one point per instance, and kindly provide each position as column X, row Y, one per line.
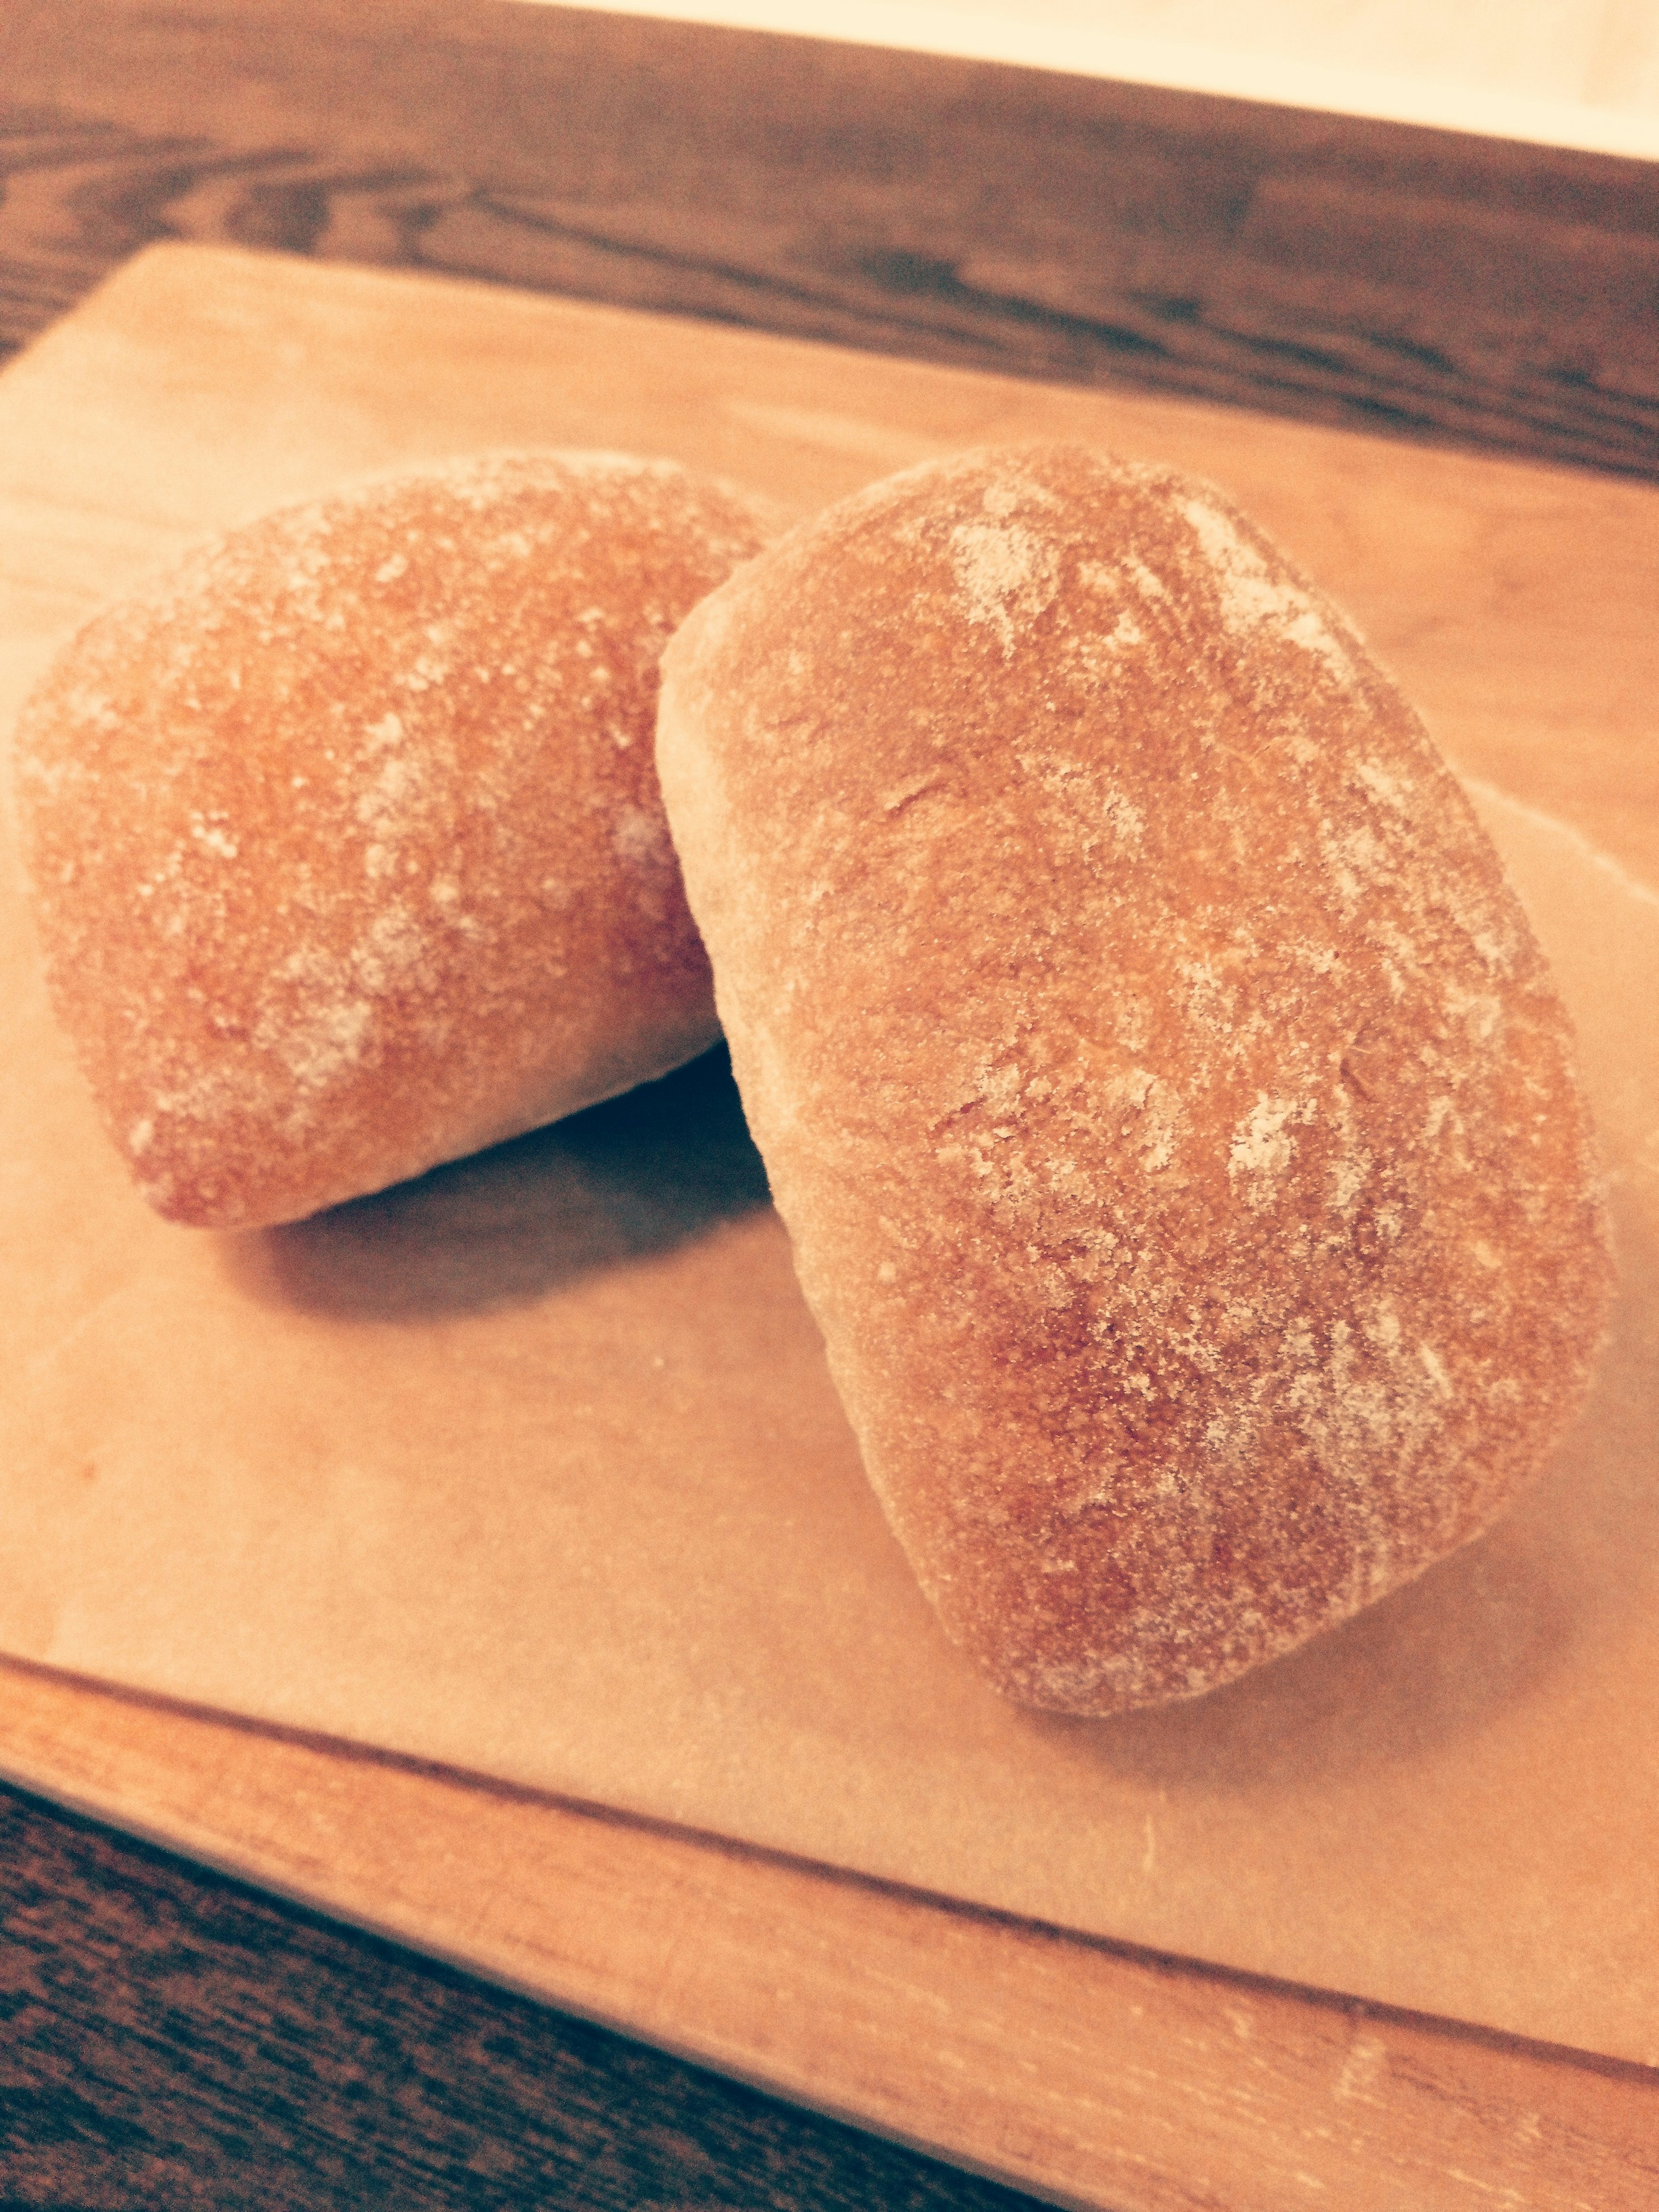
column 635, row 1175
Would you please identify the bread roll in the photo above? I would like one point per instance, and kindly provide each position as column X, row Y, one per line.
column 345, row 840
column 1168, row 1102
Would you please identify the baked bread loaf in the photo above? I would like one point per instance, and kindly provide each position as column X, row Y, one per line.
column 1169, row 1104
column 346, row 845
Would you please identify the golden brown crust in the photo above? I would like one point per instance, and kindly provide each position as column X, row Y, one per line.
column 345, row 840
column 1168, row 1101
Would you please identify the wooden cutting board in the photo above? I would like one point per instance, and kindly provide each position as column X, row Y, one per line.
column 202, row 386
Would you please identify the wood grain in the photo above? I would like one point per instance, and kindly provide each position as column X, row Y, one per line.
column 1435, row 286
column 1089, row 2074
column 201, row 2047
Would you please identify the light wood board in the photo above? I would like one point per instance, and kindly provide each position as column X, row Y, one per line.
column 190, row 393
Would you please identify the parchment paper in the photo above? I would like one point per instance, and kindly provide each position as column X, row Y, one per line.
column 534, row 1466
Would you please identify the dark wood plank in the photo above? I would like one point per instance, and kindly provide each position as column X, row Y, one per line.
column 170, row 2038
column 1420, row 281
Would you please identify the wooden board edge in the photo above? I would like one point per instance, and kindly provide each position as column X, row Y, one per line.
column 1089, row 2075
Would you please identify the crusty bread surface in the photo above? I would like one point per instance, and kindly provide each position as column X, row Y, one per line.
column 344, row 836
column 1170, row 1106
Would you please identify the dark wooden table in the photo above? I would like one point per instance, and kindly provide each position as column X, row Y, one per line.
column 171, row 2037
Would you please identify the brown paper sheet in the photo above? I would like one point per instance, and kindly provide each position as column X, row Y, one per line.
column 534, row 1466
